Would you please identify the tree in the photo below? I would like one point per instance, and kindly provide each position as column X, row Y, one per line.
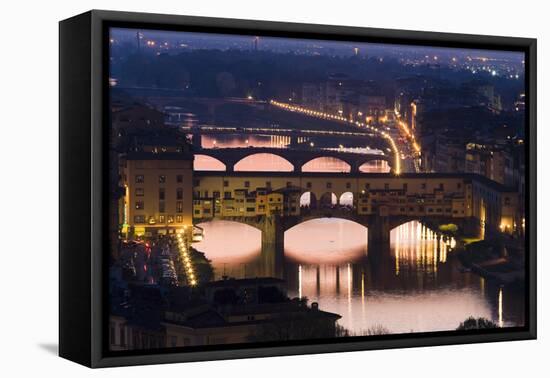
column 377, row 329
column 473, row 323
column 450, row 228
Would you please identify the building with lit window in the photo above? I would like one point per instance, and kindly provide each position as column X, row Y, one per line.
column 489, row 205
column 158, row 195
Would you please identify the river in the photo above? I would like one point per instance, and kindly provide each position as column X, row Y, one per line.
column 417, row 287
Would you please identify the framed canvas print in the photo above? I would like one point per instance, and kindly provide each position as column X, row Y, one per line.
column 234, row 188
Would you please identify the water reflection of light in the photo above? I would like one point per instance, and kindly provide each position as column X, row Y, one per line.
column 263, row 162
column 350, row 286
column 363, row 293
column 414, row 243
column 299, row 281
column 229, row 242
column 242, row 141
column 326, row 164
column 326, row 240
column 207, row 163
column 400, row 311
column 375, row 166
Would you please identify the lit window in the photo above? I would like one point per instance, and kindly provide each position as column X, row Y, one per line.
column 140, row 205
column 179, row 207
column 139, row 219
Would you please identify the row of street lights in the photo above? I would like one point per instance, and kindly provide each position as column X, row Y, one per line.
column 188, row 265
column 340, row 118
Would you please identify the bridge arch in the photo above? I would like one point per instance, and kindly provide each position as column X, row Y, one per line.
column 223, row 243
column 264, row 162
column 205, row 162
column 374, row 166
column 326, row 240
column 308, row 200
column 326, row 164
column 328, row 199
column 346, row 199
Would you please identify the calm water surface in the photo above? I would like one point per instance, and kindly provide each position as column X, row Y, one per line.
column 417, row 286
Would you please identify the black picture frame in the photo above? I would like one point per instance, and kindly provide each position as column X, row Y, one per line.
column 83, row 164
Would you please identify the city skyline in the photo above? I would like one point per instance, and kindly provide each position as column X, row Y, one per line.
column 176, row 39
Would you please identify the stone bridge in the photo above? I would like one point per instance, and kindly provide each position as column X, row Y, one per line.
column 273, row 228
column 296, row 157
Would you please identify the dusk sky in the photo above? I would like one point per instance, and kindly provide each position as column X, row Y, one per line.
column 170, row 40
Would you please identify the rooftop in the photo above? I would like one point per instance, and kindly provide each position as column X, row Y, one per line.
column 389, row 176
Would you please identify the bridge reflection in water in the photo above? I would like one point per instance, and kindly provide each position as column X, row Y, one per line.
column 417, row 287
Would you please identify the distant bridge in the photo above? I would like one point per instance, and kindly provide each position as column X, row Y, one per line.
column 293, row 133
column 296, row 157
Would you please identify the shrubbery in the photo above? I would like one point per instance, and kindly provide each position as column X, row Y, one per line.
column 473, row 323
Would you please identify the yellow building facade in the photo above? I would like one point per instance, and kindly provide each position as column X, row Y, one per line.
column 415, row 195
column 158, row 193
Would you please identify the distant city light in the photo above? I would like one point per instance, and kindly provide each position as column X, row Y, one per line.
column 341, row 118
